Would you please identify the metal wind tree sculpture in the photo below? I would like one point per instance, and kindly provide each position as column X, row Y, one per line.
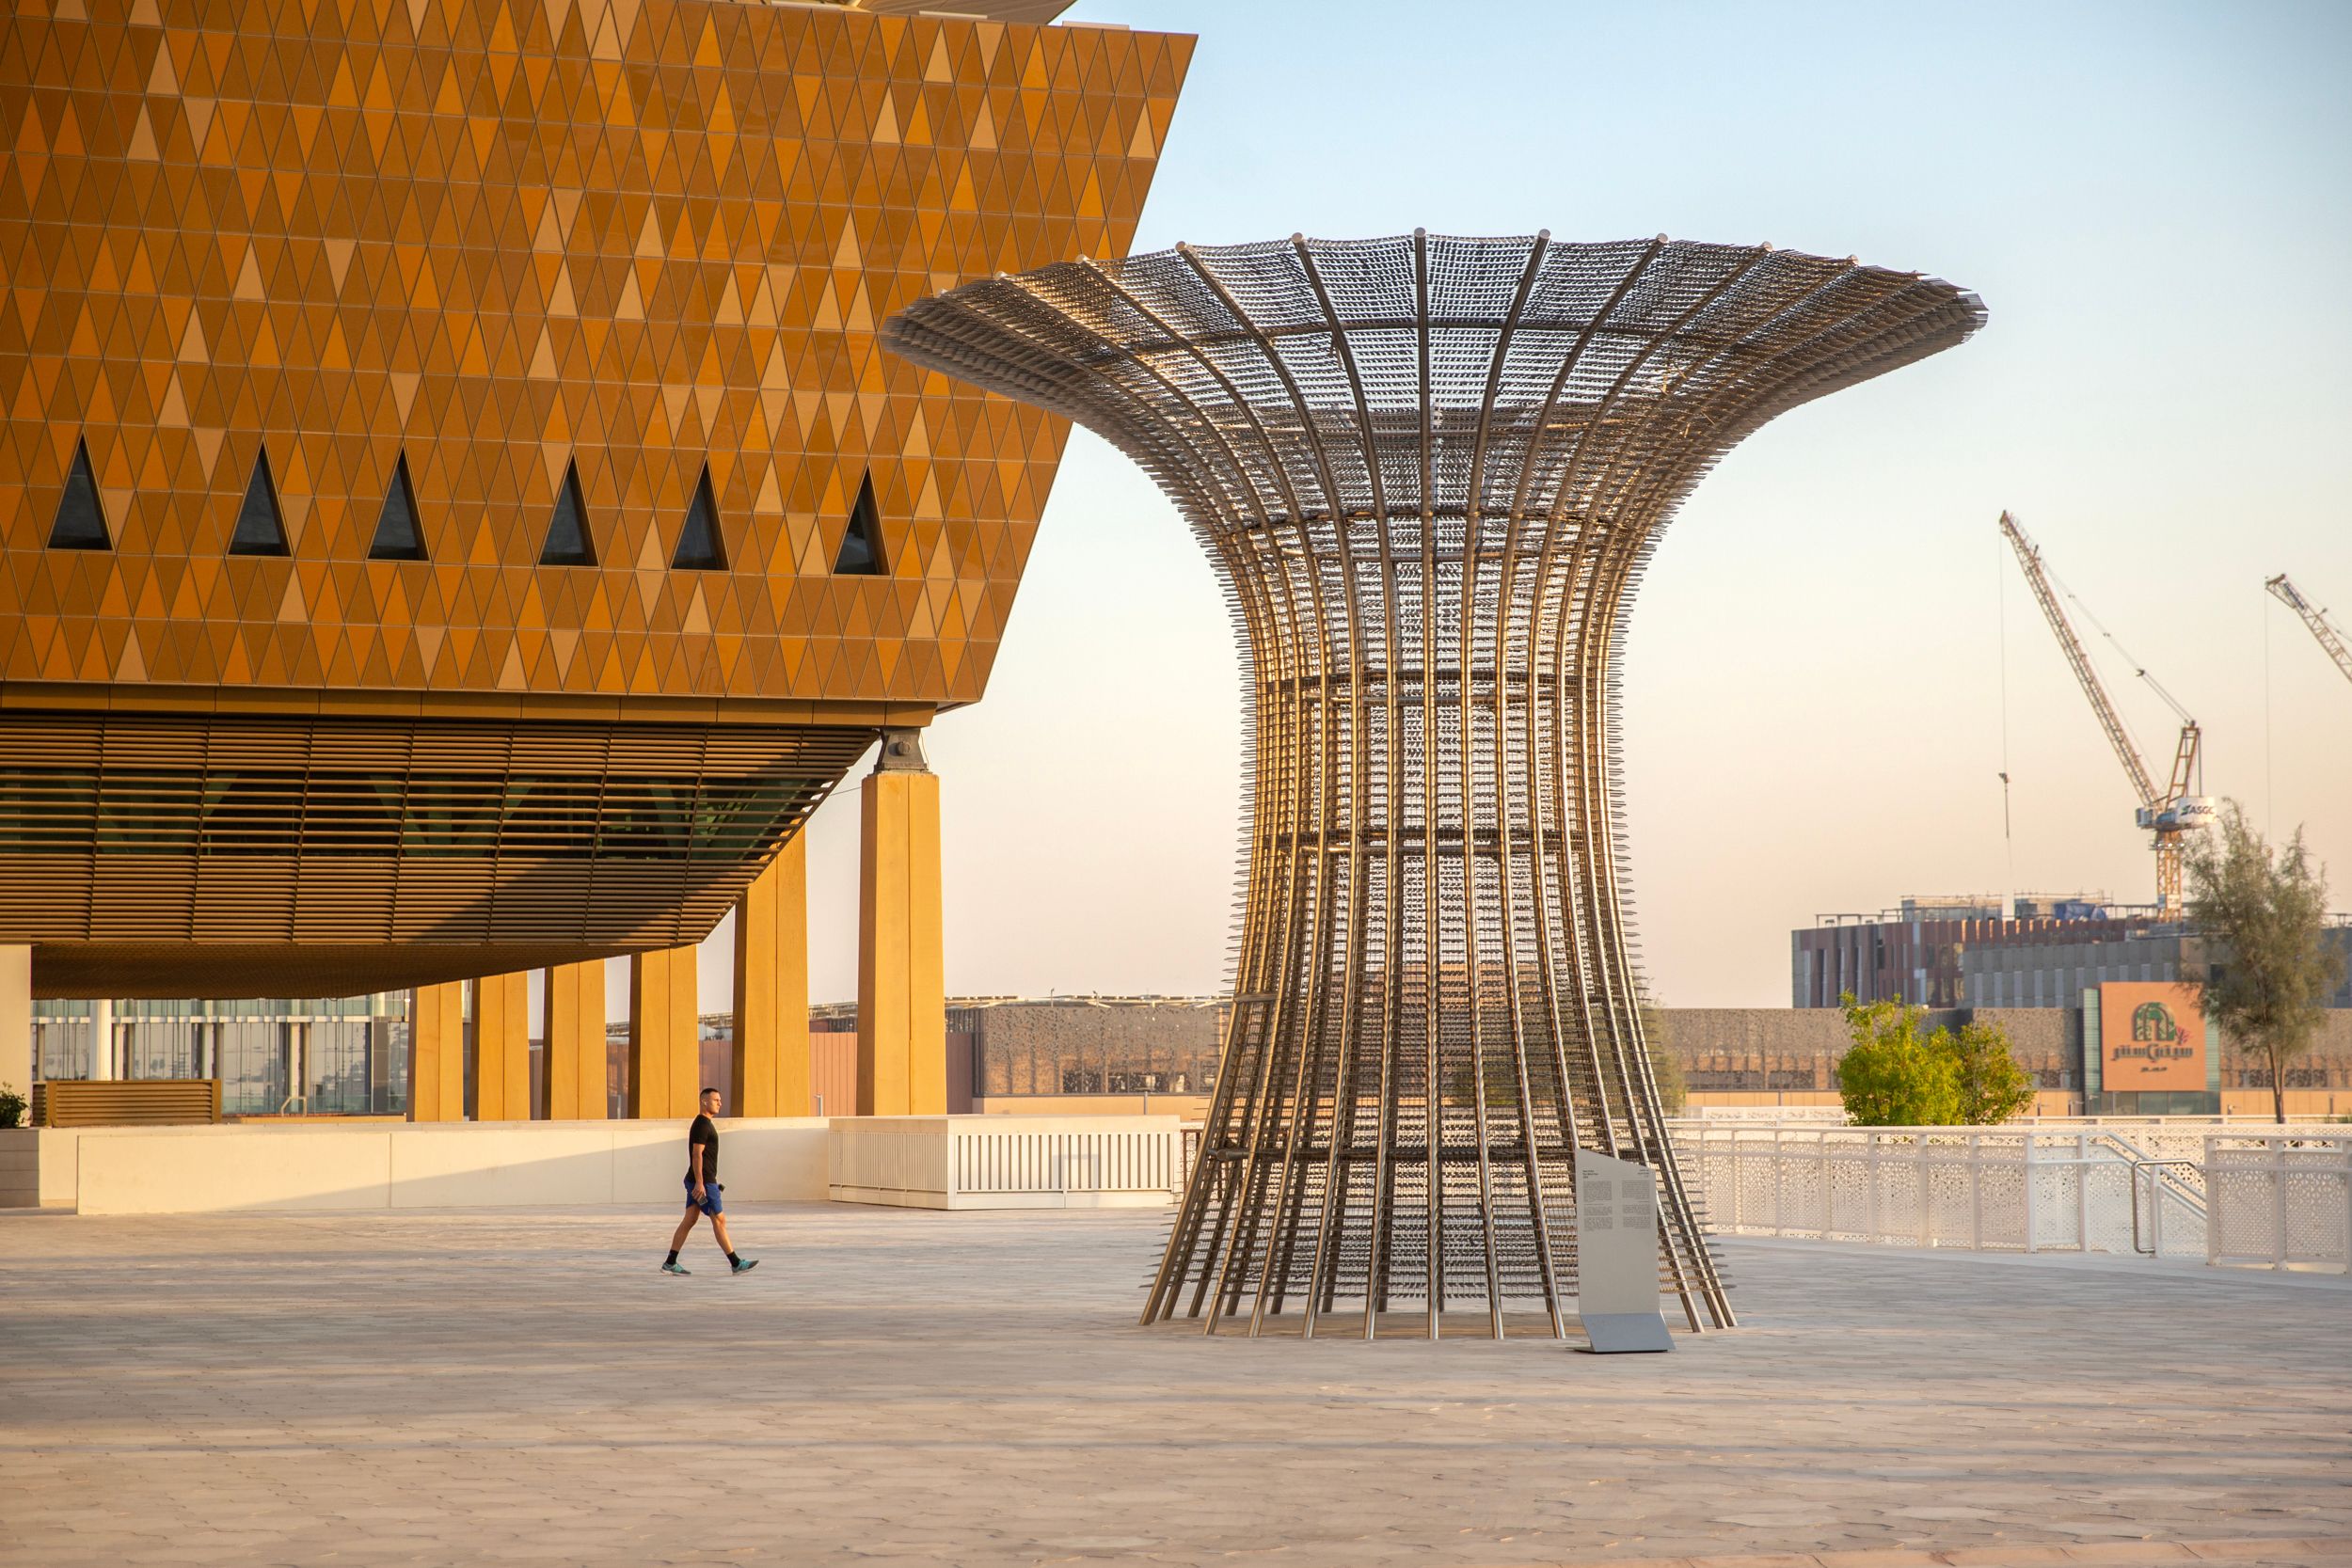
column 1430, row 471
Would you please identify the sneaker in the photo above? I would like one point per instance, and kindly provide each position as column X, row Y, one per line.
column 676, row 1268
column 744, row 1265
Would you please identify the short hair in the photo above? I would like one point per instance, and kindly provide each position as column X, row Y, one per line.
column 708, row 1091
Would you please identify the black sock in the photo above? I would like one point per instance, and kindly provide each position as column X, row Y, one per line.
column 672, row 1257
column 733, row 1258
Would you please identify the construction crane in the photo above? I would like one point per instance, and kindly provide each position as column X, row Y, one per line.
column 2170, row 813
column 2316, row 618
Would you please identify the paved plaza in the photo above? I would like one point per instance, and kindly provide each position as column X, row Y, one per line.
column 970, row 1388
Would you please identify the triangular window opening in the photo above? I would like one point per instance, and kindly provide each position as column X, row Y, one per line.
column 81, row 523
column 397, row 536
column 260, row 528
column 862, row 541
column 568, row 544
column 700, row 546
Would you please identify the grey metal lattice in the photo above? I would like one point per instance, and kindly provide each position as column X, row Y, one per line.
column 1430, row 471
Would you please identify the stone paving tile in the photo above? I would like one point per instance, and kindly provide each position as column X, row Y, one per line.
column 899, row 1387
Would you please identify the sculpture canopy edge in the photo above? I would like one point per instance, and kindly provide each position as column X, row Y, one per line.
column 963, row 331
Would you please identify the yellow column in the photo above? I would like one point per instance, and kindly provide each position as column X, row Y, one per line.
column 501, row 1047
column 663, row 1055
column 901, row 972
column 576, row 1056
column 771, row 1076
column 16, row 1018
column 437, row 1052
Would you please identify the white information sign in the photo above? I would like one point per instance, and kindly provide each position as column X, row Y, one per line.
column 1616, row 1255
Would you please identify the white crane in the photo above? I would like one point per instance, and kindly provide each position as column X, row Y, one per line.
column 2170, row 813
column 2316, row 618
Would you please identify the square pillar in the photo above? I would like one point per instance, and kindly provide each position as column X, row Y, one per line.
column 901, row 968
column 437, row 1052
column 16, row 1020
column 664, row 1057
column 501, row 1047
column 576, row 1053
column 771, row 1075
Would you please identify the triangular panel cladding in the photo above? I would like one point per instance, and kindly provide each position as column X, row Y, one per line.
column 568, row 541
column 204, row 329
column 398, row 534
column 701, row 547
column 261, row 527
column 861, row 553
column 81, row 521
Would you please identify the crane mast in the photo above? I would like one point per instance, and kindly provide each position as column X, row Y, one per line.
column 2316, row 618
column 2170, row 811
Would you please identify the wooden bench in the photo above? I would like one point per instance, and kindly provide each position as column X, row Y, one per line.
column 126, row 1101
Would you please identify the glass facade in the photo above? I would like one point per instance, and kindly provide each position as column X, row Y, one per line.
column 324, row 1056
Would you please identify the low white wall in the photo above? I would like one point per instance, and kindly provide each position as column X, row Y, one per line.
column 179, row 1170
column 20, row 1167
column 37, row 1166
column 899, row 1160
column 974, row 1162
column 157, row 1170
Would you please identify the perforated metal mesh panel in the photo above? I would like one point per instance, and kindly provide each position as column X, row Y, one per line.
column 1430, row 471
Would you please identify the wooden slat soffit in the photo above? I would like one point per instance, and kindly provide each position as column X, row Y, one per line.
column 244, row 835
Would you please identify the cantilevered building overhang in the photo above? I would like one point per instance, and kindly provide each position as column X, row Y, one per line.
column 454, row 515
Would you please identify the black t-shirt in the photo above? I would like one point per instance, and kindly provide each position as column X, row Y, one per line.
column 708, row 1136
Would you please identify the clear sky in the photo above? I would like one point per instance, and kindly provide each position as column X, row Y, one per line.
column 2154, row 202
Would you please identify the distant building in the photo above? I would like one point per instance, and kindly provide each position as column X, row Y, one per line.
column 1964, row 952
column 1006, row 1050
column 1787, row 1057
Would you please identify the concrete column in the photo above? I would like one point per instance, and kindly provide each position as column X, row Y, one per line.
column 501, row 1047
column 771, row 1075
column 101, row 1038
column 901, row 969
column 576, row 1054
column 437, row 1052
column 665, row 1057
column 298, row 1066
column 16, row 1019
column 379, row 1038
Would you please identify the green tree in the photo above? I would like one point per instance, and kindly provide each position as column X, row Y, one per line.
column 2266, row 914
column 1892, row 1077
column 1993, row 1087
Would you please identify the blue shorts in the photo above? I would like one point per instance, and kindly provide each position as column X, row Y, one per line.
column 711, row 1204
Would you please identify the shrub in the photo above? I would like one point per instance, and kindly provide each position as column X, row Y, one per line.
column 1993, row 1087
column 1893, row 1076
column 1890, row 1077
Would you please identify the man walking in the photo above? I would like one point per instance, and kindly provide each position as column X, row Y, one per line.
column 703, row 1190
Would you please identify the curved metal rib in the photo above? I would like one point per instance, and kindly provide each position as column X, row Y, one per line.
column 1436, row 1000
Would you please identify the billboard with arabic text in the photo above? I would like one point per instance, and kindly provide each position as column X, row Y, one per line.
column 2151, row 1036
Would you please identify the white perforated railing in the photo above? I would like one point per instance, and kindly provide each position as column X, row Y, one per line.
column 2283, row 1199
column 1005, row 1157
column 1987, row 1189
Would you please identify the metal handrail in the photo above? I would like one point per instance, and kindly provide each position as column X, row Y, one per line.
column 2155, row 1225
